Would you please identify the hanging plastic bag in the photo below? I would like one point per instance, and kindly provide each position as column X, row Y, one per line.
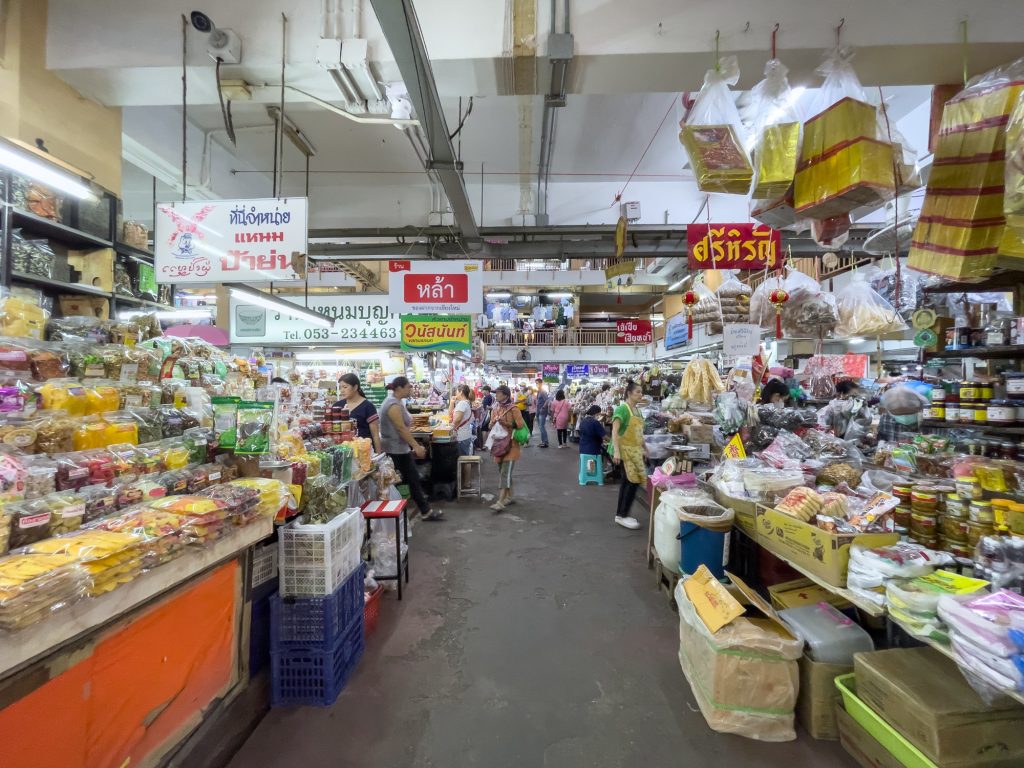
column 909, row 289
column 862, row 312
column 777, row 132
column 734, row 299
column 707, row 309
column 713, row 135
column 832, row 232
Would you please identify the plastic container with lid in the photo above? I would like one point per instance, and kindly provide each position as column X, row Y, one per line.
column 953, row 528
column 924, row 524
column 955, row 506
column 1014, row 381
column 831, row 637
column 1002, row 412
column 968, row 488
column 1001, row 512
column 980, row 511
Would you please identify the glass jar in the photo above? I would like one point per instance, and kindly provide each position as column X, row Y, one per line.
column 967, row 412
column 1008, row 450
column 981, row 413
column 938, row 394
column 980, row 511
column 1014, row 382
column 970, row 391
column 952, row 410
column 997, row 332
column 968, row 488
column 1001, row 412
column 986, row 391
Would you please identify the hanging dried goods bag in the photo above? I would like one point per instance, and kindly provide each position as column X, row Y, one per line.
column 844, row 164
column 713, row 134
column 962, row 228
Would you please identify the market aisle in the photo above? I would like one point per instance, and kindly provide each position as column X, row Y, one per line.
column 534, row 638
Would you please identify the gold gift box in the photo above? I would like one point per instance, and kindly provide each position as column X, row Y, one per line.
column 977, row 237
column 962, row 207
column 1013, row 203
column 981, row 142
column 776, row 158
column 845, row 120
column 776, row 214
column 986, row 175
column 858, row 174
column 976, row 108
column 718, row 159
column 936, row 260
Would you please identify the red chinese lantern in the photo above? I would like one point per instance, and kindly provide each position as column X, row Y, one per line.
column 778, row 297
column 689, row 301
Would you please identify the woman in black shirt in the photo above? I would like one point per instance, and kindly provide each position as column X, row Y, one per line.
column 361, row 410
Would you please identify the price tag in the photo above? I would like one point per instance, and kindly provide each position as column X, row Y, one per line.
column 129, row 373
column 741, row 339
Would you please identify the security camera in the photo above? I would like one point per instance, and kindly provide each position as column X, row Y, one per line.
column 224, row 44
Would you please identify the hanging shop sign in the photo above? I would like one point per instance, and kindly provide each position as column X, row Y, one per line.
column 741, row 339
column 436, row 286
column 598, row 369
column 633, row 332
column 231, row 241
column 551, row 372
column 577, row 371
column 427, row 333
column 620, row 269
column 677, row 332
column 359, row 319
column 732, row 246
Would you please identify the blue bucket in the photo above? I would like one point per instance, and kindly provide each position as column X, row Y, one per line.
column 700, row 546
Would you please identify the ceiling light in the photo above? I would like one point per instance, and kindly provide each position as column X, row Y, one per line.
column 42, row 172
column 557, row 295
column 253, row 296
column 856, row 340
column 678, row 283
column 293, row 132
column 502, row 295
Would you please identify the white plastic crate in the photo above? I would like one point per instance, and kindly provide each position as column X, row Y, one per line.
column 264, row 564
column 316, row 559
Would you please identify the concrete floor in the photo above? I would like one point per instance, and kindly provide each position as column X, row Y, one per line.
column 533, row 638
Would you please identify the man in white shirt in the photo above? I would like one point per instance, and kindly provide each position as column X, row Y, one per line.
column 462, row 419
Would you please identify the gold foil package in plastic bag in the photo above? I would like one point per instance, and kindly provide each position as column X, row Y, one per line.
column 718, row 160
column 776, row 159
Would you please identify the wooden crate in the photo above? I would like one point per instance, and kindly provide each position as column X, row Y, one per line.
column 666, row 581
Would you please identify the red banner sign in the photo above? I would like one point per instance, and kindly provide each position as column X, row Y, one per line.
column 399, row 266
column 732, row 246
column 440, row 289
column 633, row 332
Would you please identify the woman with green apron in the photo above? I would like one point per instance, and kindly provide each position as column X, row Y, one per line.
column 628, row 444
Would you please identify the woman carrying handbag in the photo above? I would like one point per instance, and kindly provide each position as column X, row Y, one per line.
column 506, row 421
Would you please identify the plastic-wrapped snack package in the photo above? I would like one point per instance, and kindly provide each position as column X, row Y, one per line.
column 862, row 312
column 761, row 310
column 159, row 533
column 203, row 519
column 99, row 501
column 275, row 497
column 734, row 300
column 1013, row 199
column 48, row 362
column 786, row 449
column 66, row 395
column 777, row 126
column 225, row 410
column 242, row 502
column 885, row 283
column 21, row 318
column 713, row 134
column 34, row 586
column 254, row 420
column 109, row 558
column 138, row 491
column 707, row 308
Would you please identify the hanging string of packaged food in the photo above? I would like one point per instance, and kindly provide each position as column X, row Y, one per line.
column 713, row 134
column 844, row 163
column 777, row 128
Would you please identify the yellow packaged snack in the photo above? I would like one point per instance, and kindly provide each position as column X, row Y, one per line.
column 102, row 397
column 21, row 318
column 64, row 394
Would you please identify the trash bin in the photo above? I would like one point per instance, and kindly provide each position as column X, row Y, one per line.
column 704, row 539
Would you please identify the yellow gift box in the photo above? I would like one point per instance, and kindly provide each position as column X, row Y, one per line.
column 975, row 238
column 980, row 105
column 961, row 206
column 776, row 157
column 1013, row 203
column 981, row 175
column 980, row 141
column 845, row 120
column 937, row 260
column 856, row 174
column 718, row 160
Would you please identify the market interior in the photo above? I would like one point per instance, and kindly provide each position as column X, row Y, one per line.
column 411, row 383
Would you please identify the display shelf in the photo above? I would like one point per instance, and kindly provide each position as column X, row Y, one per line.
column 60, row 285
column 1000, row 281
column 852, row 597
column 946, row 651
column 131, row 251
column 60, row 232
column 991, row 429
column 141, row 302
column 1007, row 352
column 21, row 648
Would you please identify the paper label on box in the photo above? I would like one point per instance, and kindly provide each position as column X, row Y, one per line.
column 712, row 601
column 75, row 510
column 34, row 521
column 129, row 373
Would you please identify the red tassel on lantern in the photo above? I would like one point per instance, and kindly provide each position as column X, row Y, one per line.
column 689, row 300
column 778, row 297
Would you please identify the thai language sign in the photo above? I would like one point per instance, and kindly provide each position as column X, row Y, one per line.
column 677, row 332
column 436, row 286
column 230, row 241
column 633, row 332
column 428, row 333
column 358, row 319
column 732, row 246
column 577, row 371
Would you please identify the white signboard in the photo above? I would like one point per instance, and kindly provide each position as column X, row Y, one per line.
column 359, row 319
column 229, row 241
column 741, row 339
column 436, row 286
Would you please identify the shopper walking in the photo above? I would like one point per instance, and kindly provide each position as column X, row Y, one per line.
column 530, row 415
column 560, row 417
column 486, row 403
column 543, row 412
column 504, row 448
column 398, row 442
column 629, row 450
column 462, row 419
column 360, row 410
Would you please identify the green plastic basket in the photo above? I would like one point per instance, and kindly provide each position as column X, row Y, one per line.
column 403, row 491
column 881, row 731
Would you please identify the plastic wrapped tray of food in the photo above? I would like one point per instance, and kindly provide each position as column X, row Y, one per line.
column 33, row 586
column 161, row 534
column 274, row 494
column 203, row 519
column 109, row 558
column 243, row 503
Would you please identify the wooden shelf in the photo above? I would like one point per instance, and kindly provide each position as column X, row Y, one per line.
column 983, row 353
column 121, row 299
column 131, row 251
column 60, row 232
column 60, row 285
column 990, row 429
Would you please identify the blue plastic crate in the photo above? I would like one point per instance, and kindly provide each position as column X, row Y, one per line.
column 307, row 622
column 313, row 677
column 259, row 635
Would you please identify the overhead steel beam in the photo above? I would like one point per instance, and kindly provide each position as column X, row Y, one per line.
column 402, row 31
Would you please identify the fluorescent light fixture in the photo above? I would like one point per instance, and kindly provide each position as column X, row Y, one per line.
column 500, row 295
column 679, row 283
column 856, row 340
column 557, row 295
column 266, row 300
column 325, row 356
column 42, row 172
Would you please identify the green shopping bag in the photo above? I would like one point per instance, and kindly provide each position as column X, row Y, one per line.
column 521, row 435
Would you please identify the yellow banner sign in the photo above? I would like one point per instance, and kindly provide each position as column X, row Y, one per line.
column 428, row 333
column 734, row 448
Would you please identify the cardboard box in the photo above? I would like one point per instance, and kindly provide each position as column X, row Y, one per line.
column 97, row 267
column 922, row 694
column 819, row 697
column 861, row 745
column 793, row 594
column 744, row 509
column 700, row 433
column 85, row 306
column 826, row 555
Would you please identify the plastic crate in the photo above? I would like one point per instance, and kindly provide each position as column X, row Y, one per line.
column 316, row 621
column 893, row 741
column 316, row 559
column 314, row 677
column 259, row 635
column 371, row 609
column 264, row 564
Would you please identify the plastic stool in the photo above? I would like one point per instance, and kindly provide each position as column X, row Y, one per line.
column 469, row 476
column 591, row 470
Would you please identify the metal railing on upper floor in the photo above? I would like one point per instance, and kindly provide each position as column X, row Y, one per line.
column 551, row 337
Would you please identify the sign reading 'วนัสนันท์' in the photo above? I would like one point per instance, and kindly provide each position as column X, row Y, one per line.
column 230, row 241
column 429, row 333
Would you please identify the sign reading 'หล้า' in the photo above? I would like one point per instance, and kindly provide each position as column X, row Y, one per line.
column 435, row 286
column 429, row 333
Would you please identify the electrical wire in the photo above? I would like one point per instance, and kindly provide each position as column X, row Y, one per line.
column 621, row 192
column 184, row 108
column 225, row 110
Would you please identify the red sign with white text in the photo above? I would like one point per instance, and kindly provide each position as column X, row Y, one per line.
column 732, row 246
column 399, row 266
column 436, row 289
column 633, row 332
